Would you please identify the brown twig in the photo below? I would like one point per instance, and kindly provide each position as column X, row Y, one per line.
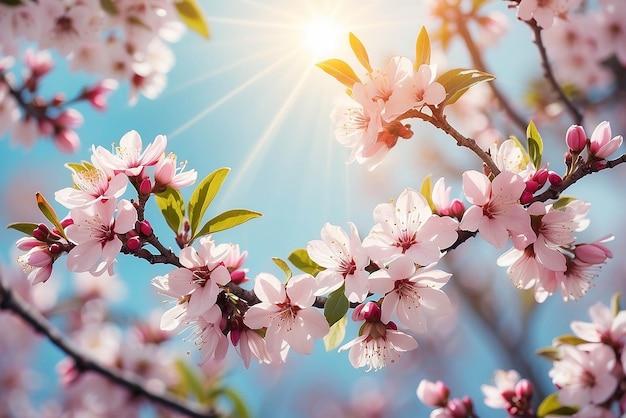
column 12, row 302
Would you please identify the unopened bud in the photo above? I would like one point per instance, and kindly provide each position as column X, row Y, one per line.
column 368, row 311
column 526, row 197
column 554, row 178
column 55, row 249
column 238, row 277
column 433, row 394
column 133, row 243
column 532, row 186
column 145, row 187
column 524, row 389
column 575, row 138
column 144, row 228
column 457, row 209
column 41, row 232
column 541, row 176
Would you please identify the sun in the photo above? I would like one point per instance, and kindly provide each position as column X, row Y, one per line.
column 323, row 35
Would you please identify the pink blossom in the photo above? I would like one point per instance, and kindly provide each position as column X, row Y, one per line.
column 166, row 174
column 211, row 341
column 129, row 157
column 601, row 144
column 95, row 231
column 526, row 272
column 97, row 94
column 594, row 252
column 93, row 184
column 199, row 280
column 287, row 313
column 67, row 140
column 378, row 343
column 496, row 212
column 605, row 327
column 37, row 261
column 410, row 291
column 409, row 227
column 344, row 260
column 584, row 377
column 383, row 84
column 510, row 393
column 544, row 11
column 444, row 206
column 418, row 90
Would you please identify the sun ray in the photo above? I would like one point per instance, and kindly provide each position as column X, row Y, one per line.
column 229, row 96
column 257, row 152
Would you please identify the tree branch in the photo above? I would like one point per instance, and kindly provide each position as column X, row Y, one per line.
column 11, row 301
column 549, row 74
column 479, row 64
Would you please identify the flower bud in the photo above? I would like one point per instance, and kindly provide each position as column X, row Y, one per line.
column 554, row 178
column 368, row 311
column 575, row 138
column 526, row 197
column 541, row 176
column 457, row 209
column 524, row 389
column 594, row 253
column 144, row 228
column 433, row 394
column 238, row 277
column 133, row 243
column 55, row 248
column 145, row 187
column 601, row 144
column 67, row 141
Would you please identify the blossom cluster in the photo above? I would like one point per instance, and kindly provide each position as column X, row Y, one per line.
column 122, row 41
column 99, row 223
column 588, row 373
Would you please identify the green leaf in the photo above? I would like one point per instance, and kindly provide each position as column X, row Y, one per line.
column 336, row 334
column 340, row 70
column 535, row 144
column 109, row 7
column 190, row 382
column 283, row 266
column 615, row 308
column 49, row 213
column 551, row 406
column 301, row 260
column 427, row 191
column 422, row 49
column 172, row 206
column 569, row 339
column 562, row 202
column 203, row 195
column 360, row 52
column 190, row 13
column 226, row 220
column 550, row 353
column 336, row 306
column 24, row 227
column 457, row 81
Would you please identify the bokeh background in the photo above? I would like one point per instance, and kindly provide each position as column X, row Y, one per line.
column 250, row 98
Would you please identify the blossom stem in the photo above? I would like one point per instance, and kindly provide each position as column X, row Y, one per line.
column 439, row 120
column 11, row 301
column 576, row 115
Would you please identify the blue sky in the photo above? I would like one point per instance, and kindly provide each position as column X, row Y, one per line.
column 250, row 99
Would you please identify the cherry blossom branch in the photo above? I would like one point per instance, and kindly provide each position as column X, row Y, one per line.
column 576, row 115
column 581, row 171
column 11, row 301
column 440, row 121
column 478, row 63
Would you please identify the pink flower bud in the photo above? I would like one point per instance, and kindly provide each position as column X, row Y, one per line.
column 45, row 127
column 235, row 334
column 575, row 138
column 57, row 100
column 69, row 119
column 145, row 228
column 433, row 394
column 41, row 232
column 593, row 253
column 554, row 178
column 145, row 187
column 532, row 186
column 526, row 197
column 238, row 277
column 457, row 209
column 27, row 243
column 133, row 243
column 541, row 176
column 67, row 222
column 39, row 63
column 67, row 141
column 39, row 258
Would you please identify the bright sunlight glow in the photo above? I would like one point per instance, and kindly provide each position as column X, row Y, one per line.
column 323, row 35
